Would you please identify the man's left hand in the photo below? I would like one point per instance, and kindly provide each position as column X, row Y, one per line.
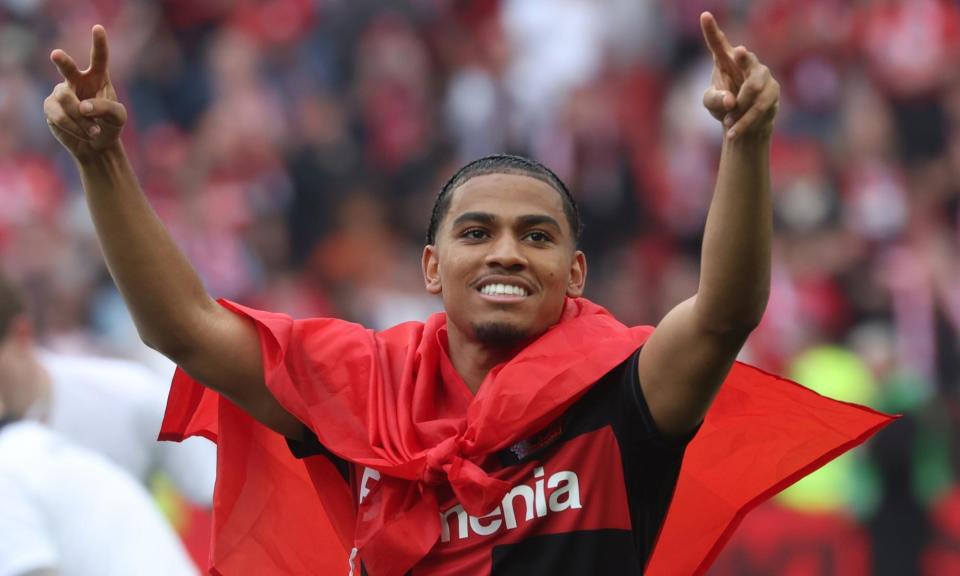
column 742, row 93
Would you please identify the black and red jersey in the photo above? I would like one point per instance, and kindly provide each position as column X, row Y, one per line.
column 589, row 493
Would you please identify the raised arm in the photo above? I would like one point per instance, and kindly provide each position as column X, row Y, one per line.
column 690, row 353
column 172, row 310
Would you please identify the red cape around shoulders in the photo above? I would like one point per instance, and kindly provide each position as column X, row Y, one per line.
column 761, row 434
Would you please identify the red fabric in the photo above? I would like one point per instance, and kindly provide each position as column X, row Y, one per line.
column 761, row 434
column 195, row 533
column 266, row 517
column 391, row 401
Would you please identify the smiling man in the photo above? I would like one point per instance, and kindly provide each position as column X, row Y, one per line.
column 524, row 431
column 501, row 252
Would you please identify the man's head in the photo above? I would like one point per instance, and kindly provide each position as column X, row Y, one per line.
column 502, row 250
column 17, row 362
column 503, row 164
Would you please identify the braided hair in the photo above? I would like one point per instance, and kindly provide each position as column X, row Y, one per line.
column 503, row 164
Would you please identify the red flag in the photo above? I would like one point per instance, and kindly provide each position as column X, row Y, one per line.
column 762, row 433
column 267, row 518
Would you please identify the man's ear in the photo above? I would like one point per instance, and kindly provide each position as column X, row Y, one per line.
column 578, row 275
column 431, row 269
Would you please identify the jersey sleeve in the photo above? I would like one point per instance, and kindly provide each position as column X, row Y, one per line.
column 25, row 543
column 651, row 460
column 308, row 445
column 636, row 416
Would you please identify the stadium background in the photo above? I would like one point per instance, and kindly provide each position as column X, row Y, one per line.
column 294, row 148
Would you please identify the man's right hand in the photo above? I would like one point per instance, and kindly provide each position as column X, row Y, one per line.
column 166, row 298
column 83, row 111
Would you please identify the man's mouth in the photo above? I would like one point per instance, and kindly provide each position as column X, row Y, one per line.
column 503, row 290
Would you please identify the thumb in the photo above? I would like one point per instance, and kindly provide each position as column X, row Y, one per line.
column 718, row 102
column 110, row 113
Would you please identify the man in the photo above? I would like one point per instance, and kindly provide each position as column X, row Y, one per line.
column 112, row 407
column 67, row 511
column 524, row 431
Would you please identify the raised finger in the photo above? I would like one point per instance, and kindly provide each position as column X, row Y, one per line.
column 70, row 104
column 99, row 54
column 714, row 37
column 722, row 52
column 65, row 64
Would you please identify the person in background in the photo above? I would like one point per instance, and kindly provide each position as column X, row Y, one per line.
column 65, row 511
column 110, row 406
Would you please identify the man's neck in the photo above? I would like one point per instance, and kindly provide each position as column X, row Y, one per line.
column 473, row 360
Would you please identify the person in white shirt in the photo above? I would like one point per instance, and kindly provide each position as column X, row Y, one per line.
column 66, row 511
column 110, row 406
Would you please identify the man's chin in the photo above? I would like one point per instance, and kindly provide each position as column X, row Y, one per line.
column 500, row 334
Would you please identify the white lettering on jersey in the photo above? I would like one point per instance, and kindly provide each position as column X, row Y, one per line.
column 570, row 488
column 352, row 559
column 368, row 474
column 564, row 494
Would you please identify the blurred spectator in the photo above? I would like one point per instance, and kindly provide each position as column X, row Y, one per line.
column 64, row 510
column 112, row 407
column 67, row 511
column 911, row 49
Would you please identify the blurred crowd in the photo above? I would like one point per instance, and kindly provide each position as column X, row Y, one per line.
column 294, row 148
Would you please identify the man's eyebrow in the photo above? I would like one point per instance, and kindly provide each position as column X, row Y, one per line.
column 530, row 220
column 479, row 217
column 525, row 221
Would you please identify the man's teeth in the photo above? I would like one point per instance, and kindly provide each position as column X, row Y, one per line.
column 503, row 290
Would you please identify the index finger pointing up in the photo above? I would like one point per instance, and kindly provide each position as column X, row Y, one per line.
column 98, row 53
column 715, row 38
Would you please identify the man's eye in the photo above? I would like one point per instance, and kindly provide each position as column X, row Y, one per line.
column 474, row 234
column 538, row 237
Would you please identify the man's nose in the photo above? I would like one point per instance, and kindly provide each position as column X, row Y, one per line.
column 506, row 252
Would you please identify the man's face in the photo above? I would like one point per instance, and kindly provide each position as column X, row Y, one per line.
column 504, row 259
